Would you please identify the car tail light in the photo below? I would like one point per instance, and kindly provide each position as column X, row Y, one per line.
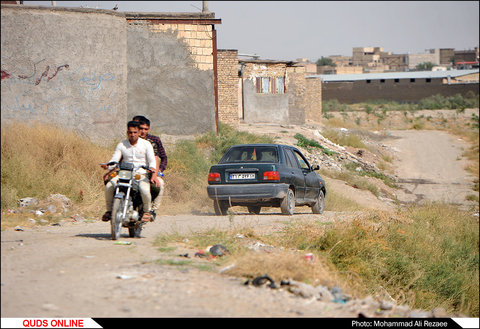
column 214, row 177
column 271, row 175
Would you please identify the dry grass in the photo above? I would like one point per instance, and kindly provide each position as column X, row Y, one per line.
column 425, row 256
column 39, row 160
column 286, row 265
column 246, row 262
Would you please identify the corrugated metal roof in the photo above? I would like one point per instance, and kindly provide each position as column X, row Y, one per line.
column 392, row 75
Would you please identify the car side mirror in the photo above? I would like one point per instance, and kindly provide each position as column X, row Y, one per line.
column 315, row 167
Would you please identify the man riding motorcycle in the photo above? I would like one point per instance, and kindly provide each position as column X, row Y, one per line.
column 139, row 152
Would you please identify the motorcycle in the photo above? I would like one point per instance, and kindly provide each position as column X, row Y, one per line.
column 127, row 209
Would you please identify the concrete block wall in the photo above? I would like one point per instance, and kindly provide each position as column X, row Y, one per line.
column 228, row 86
column 264, row 108
column 66, row 67
column 170, row 75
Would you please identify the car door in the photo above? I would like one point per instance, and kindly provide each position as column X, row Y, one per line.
column 297, row 177
column 312, row 184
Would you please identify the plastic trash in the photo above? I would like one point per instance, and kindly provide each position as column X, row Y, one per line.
column 123, row 242
column 261, row 280
column 218, row 250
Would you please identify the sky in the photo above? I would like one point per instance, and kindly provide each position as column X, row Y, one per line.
column 289, row 30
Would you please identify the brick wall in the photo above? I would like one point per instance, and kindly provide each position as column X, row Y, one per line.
column 305, row 98
column 197, row 37
column 228, row 86
column 296, row 97
column 252, row 70
column 313, row 100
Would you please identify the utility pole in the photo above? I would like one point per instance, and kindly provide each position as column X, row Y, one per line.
column 205, row 7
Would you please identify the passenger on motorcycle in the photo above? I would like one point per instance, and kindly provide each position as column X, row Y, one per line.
column 160, row 156
column 139, row 152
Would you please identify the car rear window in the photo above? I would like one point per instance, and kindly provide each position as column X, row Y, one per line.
column 251, row 154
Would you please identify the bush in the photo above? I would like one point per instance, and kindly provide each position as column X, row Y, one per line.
column 438, row 101
column 333, row 106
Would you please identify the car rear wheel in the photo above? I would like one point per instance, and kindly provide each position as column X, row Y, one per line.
column 319, row 206
column 288, row 203
column 254, row 209
column 220, row 207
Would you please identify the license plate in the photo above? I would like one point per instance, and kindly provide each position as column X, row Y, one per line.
column 242, row 176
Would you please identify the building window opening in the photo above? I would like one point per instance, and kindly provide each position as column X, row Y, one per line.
column 382, row 80
column 412, row 80
column 369, row 81
column 270, row 85
column 428, row 80
column 397, row 80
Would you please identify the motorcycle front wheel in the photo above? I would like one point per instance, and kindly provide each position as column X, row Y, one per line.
column 135, row 230
column 116, row 221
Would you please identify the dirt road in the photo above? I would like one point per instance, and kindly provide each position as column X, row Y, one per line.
column 430, row 166
column 75, row 270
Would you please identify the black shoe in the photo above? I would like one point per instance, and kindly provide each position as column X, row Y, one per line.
column 107, row 216
column 153, row 215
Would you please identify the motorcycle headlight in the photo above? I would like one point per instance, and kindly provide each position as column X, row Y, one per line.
column 125, row 174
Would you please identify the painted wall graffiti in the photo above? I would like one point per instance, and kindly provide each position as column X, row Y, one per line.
column 64, row 91
column 93, row 81
column 6, row 75
column 57, row 68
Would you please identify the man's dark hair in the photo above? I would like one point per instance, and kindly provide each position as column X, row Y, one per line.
column 143, row 120
column 133, row 124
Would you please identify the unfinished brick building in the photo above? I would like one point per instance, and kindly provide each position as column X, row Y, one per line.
column 266, row 91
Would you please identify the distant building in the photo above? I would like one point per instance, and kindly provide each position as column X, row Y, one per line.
column 466, row 59
column 340, row 60
column 376, row 60
column 395, row 62
column 437, row 56
column 366, row 56
column 397, row 86
column 266, row 91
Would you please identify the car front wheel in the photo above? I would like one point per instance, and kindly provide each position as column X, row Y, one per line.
column 288, row 203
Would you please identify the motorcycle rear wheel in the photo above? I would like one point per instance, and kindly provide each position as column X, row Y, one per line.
column 116, row 221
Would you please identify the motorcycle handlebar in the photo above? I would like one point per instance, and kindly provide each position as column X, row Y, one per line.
column 109, row 163
column 116, row 163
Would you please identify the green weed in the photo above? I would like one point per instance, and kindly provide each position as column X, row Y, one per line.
column 306, row 143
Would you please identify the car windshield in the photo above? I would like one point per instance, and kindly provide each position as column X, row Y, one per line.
column 251, row 154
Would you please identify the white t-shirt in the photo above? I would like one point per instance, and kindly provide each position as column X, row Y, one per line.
column 140, row 154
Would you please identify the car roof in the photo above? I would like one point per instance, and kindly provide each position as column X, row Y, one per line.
column 262, row 144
